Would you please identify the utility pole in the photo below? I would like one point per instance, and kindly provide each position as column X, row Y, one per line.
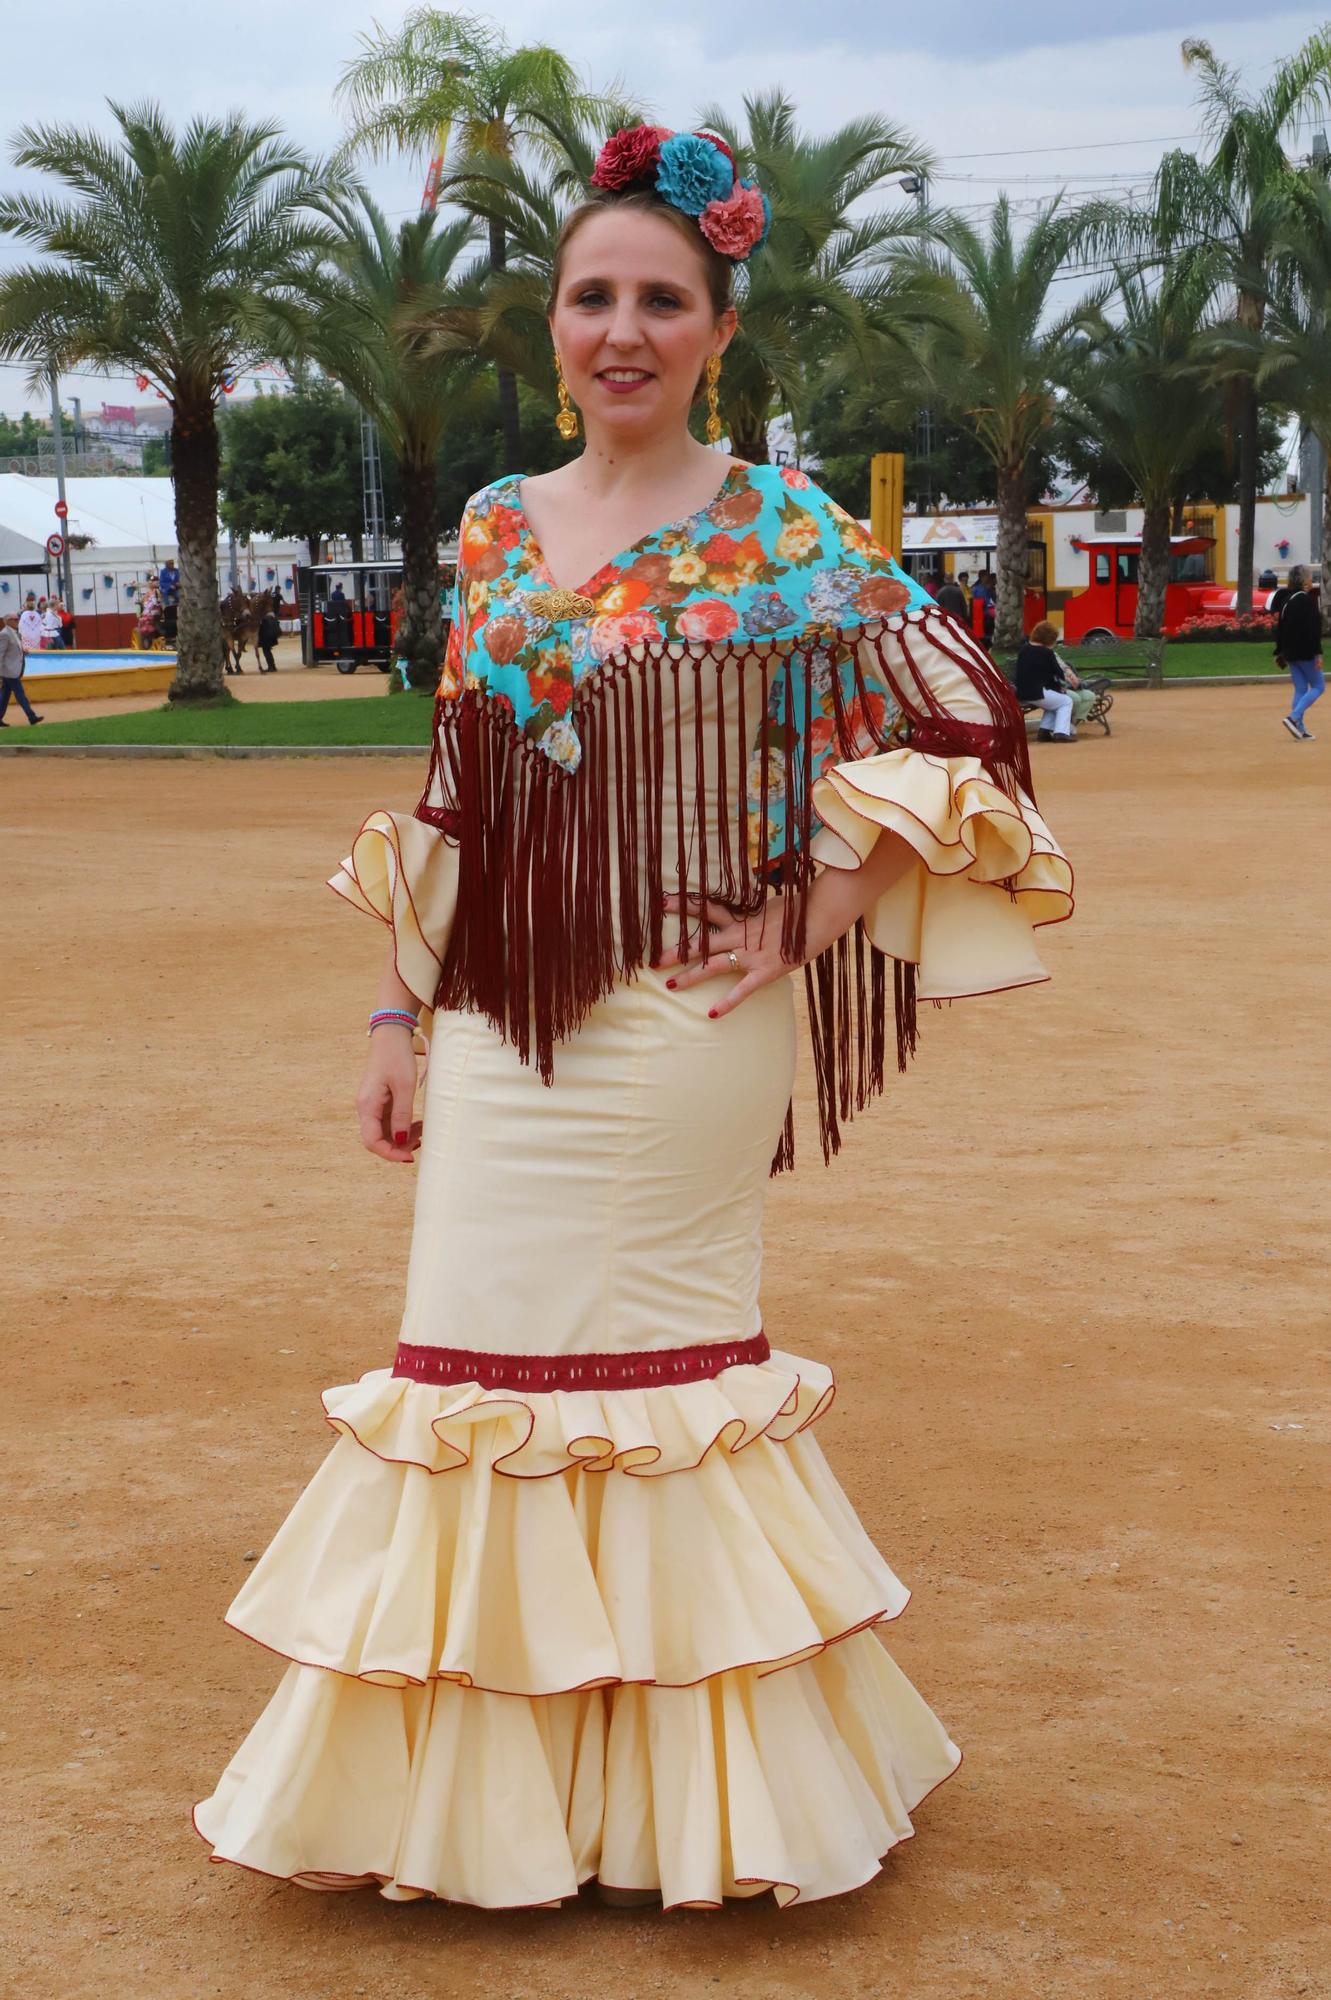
column 1312, row 458
column 918, row 185
column 64, row 569
column 372, row 489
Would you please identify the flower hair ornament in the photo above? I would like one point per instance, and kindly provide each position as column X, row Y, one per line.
column 694, row 172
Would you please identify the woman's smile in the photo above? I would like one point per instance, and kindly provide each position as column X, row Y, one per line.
column 623, row 380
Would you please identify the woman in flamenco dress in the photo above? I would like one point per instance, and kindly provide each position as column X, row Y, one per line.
column 575, row 1597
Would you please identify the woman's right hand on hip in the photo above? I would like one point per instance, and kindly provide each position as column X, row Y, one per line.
column 386, row 1095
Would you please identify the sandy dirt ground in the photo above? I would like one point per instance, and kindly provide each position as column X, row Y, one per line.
column 1072, row 1278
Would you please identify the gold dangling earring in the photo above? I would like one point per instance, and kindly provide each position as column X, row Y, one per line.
column 566, row 423
column 713, row 411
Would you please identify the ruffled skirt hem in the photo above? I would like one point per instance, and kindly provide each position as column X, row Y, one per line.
column 798, row 1783
column 501, row 1687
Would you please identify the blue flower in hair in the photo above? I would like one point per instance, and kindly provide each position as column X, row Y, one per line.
column 692, row 172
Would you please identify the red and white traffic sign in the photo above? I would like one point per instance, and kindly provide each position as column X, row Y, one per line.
column 61, row 509
column 55, row 545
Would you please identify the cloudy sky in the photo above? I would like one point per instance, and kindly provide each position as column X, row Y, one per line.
column 1053, row 99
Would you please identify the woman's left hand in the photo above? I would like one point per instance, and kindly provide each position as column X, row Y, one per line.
column 755, row 942
column 837, row 897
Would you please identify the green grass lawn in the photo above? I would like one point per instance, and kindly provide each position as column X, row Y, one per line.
column 399, row 718
column 1223, row 657
column 1204, row 660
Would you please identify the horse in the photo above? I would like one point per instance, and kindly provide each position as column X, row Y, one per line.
column 241, row 612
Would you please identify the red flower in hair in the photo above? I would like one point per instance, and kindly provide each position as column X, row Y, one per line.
column 628, row 156
column 719, row 143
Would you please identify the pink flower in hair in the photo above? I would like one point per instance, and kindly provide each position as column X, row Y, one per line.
column 733, row 226
column 628, row 156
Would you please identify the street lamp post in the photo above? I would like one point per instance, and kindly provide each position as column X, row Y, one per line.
column 64, row 567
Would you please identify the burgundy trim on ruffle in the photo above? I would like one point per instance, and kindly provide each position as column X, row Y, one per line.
column 648, row 1368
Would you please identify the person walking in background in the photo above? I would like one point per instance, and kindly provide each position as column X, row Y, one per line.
column 66, row 624
column 53, row 631
column 1299, row 647
column 267, row 636
column 30, row 626
column 13, row 659
column 168, row 582
column 985, row 598
column 950, row 597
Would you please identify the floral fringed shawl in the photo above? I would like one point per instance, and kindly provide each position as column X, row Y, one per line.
column 665, row 726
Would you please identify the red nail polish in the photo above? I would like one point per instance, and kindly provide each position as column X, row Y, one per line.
column 672, row 983
column 711, row 1013
column 399, row 1138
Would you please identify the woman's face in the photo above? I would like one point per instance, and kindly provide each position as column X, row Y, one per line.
column 634, row 324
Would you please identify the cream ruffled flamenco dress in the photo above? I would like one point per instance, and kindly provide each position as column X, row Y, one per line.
column 575, row 1594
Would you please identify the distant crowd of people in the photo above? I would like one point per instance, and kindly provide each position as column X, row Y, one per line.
column 971, row 604
column 44, row 625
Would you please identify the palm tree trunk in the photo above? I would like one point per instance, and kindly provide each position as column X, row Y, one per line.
column 1247, row 399
column 744, row 416
column 420, row 642
column 1009, row 617
column 509, row 421
column 1153, row 574
column 748, row 437
column 194, row 460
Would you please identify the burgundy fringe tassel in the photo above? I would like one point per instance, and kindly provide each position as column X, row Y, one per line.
column 562, row 875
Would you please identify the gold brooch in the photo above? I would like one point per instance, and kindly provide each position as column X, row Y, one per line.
column 557, row 604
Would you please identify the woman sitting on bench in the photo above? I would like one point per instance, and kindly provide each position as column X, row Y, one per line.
column 1044, row 682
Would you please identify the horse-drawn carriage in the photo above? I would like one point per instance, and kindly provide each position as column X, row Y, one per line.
column 154, row 627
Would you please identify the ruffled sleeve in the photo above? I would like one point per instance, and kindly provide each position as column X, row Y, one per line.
column 403, row 868
column 987, row 869
column 405, row 872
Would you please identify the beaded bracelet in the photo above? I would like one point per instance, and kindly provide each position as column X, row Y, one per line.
column 392, row 1014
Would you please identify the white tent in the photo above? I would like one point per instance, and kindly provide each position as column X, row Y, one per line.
column 130, row 529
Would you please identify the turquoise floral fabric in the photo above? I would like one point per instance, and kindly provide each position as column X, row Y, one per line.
column 772, row 559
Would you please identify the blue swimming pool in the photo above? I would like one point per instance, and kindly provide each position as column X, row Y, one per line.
column 93, row 663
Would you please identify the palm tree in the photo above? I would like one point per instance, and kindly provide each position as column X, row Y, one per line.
column 1141, row 394
column 411, row 86
column 995, row 363
column 185, row 259
column 1289, row 360
column 826, row 279
column 396, row 334
column 1235, row 206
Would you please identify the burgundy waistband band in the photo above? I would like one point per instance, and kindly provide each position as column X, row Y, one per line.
column 647, row 1369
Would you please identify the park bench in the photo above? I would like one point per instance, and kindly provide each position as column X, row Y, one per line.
column 1103, row 664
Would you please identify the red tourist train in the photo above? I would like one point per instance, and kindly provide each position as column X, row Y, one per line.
column 1107, row 608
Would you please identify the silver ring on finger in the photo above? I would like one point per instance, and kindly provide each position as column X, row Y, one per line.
column 733, row 957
